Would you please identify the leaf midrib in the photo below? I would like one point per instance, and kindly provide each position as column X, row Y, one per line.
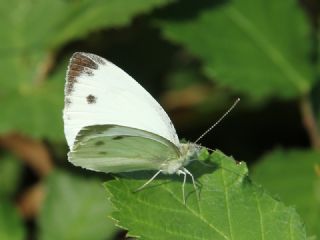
column 269, row 50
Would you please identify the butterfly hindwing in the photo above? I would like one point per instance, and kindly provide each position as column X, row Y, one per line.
column 113, row 148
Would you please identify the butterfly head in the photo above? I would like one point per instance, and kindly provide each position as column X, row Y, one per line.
column 189, row 152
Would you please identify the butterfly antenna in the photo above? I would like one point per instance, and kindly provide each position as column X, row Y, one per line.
column 220, row 119
column 209, row 149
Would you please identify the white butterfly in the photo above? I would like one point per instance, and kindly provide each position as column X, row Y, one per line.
column 112, row 124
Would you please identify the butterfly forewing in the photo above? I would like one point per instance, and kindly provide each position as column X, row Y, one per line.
column 113, row 148
column 97, row 92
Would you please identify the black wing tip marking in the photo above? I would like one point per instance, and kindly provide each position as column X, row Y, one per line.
column 81, row 63
column 88, row 60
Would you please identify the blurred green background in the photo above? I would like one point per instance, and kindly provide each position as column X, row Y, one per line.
column 195, row 58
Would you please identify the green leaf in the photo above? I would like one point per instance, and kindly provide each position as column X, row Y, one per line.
column 295, row 177
column 35, row 111
column 256, row 47
column 76, row 207
column 10, row 169
column 31, row 33
column 42, row 25
column 11, row 225
column 230, row 206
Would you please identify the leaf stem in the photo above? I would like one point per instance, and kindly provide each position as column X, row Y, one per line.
column 309, row 121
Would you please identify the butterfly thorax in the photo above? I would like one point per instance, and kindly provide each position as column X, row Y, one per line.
column 188, row 153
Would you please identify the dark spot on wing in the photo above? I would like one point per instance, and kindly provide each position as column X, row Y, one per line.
column 99, row 143
column 91, row 99
column 81, row 63
column 103, row 153
column 117, row 138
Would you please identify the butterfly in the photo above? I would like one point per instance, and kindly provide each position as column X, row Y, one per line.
column 112, row 124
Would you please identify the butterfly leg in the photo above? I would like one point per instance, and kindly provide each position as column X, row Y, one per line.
column 193, row 182
column 149, row 181
column 183, row 184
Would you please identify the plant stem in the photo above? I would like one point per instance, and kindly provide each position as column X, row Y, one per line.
column 309, row 121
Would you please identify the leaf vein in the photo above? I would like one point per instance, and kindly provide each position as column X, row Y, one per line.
column 260, row 217
column 290, row 226
column 165, row 230
column 270, row 51
column 196, row 214
column 226, row 197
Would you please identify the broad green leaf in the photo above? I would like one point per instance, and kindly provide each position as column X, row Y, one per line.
column 256, row 47
column 74, row 208
column 230, row 206
column 11, row 225
column 294, row 176
column 35, row 111
column 10, row 169
column 31, row 33
column 31, row 30
column 42, row 25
